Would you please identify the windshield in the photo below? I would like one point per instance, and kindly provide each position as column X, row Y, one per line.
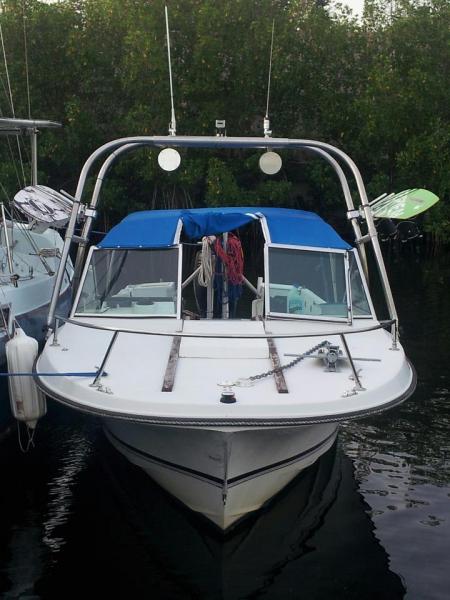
column 131, row 283
column 307, row 283
column 360, row 303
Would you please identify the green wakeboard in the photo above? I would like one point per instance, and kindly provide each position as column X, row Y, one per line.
column 404, row 205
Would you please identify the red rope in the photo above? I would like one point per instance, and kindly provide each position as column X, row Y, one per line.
column 233, row 258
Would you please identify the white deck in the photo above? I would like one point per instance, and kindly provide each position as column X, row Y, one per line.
column 136, row 367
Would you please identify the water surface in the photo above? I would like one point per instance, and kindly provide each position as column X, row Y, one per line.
column 371, row 520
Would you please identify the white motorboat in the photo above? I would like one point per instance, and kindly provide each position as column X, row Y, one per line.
column 223, row 412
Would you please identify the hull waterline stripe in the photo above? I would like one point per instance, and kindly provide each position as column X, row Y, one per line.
column 161, row 462
column 217, row 480
column 283, row 463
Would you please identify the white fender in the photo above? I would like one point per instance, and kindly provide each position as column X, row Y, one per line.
column 27, row 401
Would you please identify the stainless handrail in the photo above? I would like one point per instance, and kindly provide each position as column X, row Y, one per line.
column 381, row 325
column 97, row 380
column 101, row 370
column 356, row 378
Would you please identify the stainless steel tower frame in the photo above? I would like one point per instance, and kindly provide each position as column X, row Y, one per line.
column 327, row 151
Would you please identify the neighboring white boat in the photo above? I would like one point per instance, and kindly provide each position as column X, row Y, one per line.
column 224, row 412
column 26, row 288
column 30, row 253
column 30, row 247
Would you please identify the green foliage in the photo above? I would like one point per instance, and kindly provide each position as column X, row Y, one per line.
column 221, row 185
column 376, row 87
column 224, row 188
column 272, row 193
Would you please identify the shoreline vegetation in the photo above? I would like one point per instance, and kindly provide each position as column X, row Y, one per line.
column 375, row 86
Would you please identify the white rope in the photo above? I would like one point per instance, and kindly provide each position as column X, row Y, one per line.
column 30, row 441
column 206, row 264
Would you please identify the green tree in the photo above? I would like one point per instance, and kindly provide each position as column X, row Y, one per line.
column 374, row 87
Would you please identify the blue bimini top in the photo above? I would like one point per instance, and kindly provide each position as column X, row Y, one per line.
column 160, row 228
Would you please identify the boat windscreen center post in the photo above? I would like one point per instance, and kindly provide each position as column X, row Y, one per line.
column 321, row 148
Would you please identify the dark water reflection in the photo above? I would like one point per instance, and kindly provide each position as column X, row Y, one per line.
column 371, row 520
column 402, row 458
column 81, row 520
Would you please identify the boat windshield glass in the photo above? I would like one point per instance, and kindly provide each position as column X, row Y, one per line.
column 130, row 283
column 307, row 283
column 360, row 303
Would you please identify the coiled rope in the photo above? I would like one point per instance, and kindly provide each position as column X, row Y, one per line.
column 206, row 264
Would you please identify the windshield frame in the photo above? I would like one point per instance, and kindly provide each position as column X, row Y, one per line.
column 92, row 249
column 344, row 319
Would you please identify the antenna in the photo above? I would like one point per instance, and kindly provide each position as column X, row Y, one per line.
column 267, row 132
column 25, row 43
column 11, row 100
column 169, row 159
column 33, row 132
column 269, row 162
column 173, row 123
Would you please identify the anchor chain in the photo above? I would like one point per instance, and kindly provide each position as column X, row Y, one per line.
column 248, row 381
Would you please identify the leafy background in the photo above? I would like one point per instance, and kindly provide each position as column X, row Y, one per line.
column 377, row 87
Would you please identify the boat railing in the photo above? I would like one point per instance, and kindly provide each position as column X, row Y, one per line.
column 342, row 333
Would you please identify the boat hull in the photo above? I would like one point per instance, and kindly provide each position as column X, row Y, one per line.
column 222, row 473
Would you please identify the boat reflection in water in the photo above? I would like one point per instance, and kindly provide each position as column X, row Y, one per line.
column 315, row 539
column 94, row 523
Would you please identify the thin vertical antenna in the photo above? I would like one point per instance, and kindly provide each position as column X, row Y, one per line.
column 173, row 123
column 267, row 131
column 11, row 100
column 26, row 61
column 33, row 132
column 7, row 73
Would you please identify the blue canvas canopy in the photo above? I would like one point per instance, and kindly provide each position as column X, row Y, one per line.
column 158, row 228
